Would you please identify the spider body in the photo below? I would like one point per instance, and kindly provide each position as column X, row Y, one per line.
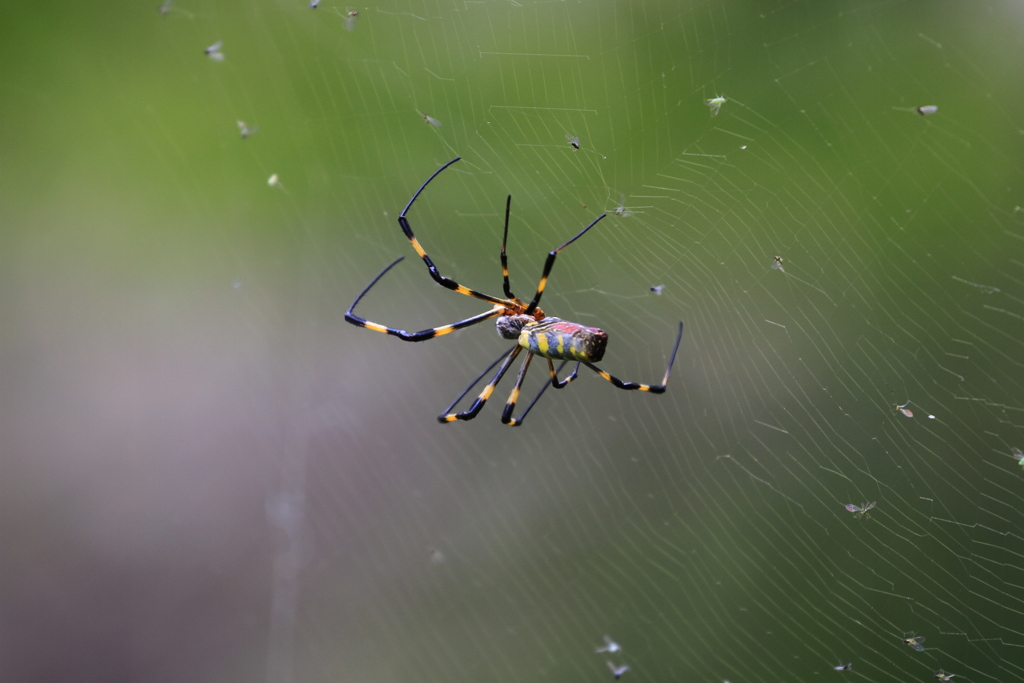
column 538, row 334
column 559, row 339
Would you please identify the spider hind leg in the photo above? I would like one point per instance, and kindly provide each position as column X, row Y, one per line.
column 481, row 400
column 653, row 388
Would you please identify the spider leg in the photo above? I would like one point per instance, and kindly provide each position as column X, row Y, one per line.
column 422, row 335
column 517, row 421
column 510, row 405
column 653, row 388
column 478, row 404
column 478, row 378
column 438, row 278
column 554, row 378
column 504, row 258
column 551, row 262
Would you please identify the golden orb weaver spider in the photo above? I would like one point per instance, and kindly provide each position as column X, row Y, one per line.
column 541, row 335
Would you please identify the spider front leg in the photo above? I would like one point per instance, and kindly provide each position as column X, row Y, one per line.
column 422, row 335
column 550, row 262
column 653, row 388
column 504, row 256
column 445, row 282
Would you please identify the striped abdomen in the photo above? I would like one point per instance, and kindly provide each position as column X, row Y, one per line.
column 562, row 340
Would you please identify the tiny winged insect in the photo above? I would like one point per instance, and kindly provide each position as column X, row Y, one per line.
column 943, row 676
column 350, row 19
column 860, row 510
column 609, row 646
column 843, row 667
column 167, row 6
column 658, row 289
column 313, row 4
column 1018, row 455
column 524, row 323
column 214, row 53
column 621, row 209
column 715, row 103
column 245, row 130
column 777, row 264
column 914, row 641
column 432, row 121
column 617, row 671
column 907, row 412
column 927, row 110
column 574, row 140
column 274, row 181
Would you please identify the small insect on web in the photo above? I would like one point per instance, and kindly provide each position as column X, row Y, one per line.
column 609, row 646
column 843, row 667
column 621, row 209
column 350, row 19
column 167, row 6
column 1017, row 455
column 777, row 264
column 617, row 671
column 245, row 130
column 574, row 140
column 432, row 121
column 860, row 510
column 715, row 103
column 214, row 53
column 915, row 641
column 539, row 334
column 943, row 676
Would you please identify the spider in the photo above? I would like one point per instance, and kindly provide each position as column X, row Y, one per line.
column 539, row 334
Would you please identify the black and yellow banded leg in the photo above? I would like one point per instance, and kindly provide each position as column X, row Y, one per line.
column 515, row 422
column 550, row 261
column 510, row 405
column 478, row 404
column 477, row 380
column 422, row 335
column 438, row 278
column 653, row 388
column 555, row 382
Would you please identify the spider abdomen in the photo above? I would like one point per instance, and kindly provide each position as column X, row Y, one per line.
column 559, row 339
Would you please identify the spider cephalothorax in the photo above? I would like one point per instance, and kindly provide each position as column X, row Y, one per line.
column 540, row 335
column 510, row 325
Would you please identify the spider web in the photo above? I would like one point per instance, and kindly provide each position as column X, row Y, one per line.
column 223, row 431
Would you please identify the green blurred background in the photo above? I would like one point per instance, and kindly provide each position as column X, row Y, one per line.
column 208, row 475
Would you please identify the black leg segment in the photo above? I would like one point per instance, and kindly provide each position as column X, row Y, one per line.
column 551, row 262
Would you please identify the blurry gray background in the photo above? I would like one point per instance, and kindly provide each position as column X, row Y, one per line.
column 207, row 475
